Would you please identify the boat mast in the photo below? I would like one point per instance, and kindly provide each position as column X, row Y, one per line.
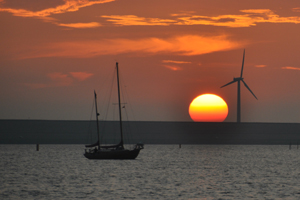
column 120, row 113
column 97, row 114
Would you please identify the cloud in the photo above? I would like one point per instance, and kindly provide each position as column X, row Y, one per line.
column 81, row 25
column 268, row 16
column 250, row 17
column 81, row 76
column 296, row 9
column 175, row 67
column 68, row 6
column 222, row 20
column 188, row 45
column 260, row 65
column 172, row 67
column 58, row 79
column 176, row 62
column 257, row 11
column 247, row 18
column 132, row 20
column 289, row 67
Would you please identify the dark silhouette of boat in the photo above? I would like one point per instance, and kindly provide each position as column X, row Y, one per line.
column 112, row 151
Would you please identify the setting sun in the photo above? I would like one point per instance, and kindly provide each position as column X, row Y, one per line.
column 208, row 108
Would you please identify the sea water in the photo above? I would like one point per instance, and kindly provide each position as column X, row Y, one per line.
column 159, row 172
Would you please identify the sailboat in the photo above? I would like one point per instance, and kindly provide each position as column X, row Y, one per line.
column 116, row 151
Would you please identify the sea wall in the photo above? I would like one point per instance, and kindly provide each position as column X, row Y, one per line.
column 84, row 132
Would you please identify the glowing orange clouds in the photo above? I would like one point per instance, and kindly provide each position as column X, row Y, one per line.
column 208, row 108
column 250, row 17
column 247, row 18
column 81, row 25
column 176, row 62
column 183, row 45
column 173, row 67
column 173, row 64
column 289, row 67
column 260, row 66
column 81, row 76
column 68, row 6
column 132, row 20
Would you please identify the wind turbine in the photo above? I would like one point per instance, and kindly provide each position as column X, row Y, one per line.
column 238, row 80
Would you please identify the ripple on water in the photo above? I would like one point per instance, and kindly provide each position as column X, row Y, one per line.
column 160, row 172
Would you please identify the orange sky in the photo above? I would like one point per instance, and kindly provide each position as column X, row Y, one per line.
column 53, row 55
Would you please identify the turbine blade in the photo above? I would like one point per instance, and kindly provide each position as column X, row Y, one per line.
column 243, row 64
column 249, row 89
column 228, row 83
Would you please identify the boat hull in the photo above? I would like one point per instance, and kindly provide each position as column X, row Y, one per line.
column 113, row 154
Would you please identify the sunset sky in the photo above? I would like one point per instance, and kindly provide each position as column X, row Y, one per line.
column 54, row 54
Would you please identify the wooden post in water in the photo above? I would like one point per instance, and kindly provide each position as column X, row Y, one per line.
column 290, row 145
column 179, row 146
column 37, row 147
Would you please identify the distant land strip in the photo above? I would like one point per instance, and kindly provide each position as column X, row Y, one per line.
column 147, row 132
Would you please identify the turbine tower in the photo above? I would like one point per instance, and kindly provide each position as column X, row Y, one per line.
column 238, row 80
